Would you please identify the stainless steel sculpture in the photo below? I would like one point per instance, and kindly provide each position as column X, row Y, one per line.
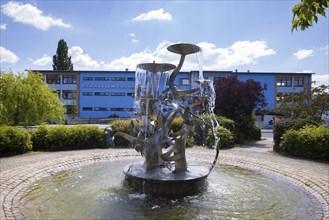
column 164, row 169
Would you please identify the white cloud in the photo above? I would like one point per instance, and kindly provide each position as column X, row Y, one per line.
column 214, row 58
column 82, row 61
column 43, row 61
column 3, row 26
column 133, row 38
column 320, row 79
column 29, row 14
column 302, row 53
column 154, row 15
column 239, row 53
column 6, row 56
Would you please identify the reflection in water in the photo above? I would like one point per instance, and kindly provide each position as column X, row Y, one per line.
column 98, row 192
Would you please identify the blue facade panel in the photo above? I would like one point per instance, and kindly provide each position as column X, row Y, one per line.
column 102, row 94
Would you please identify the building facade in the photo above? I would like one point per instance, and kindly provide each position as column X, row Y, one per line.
column 102, row 94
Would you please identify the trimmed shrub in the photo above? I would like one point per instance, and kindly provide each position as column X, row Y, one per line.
column 177, row 124
column 246, row 129
column 225, row 135
column 308, row 142
column 68, row 138
column 281, row 127
column 39, row 137
column 124, row 126
column 13, row 141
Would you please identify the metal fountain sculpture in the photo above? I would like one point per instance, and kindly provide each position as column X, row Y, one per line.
column 165, row 169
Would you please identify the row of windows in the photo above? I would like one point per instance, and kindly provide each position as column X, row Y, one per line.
column 287, row 82
column 56, row 79
column 107, row 94
column 107, row 109
column 108, row 78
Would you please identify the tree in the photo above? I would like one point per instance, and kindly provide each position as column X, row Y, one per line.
column 307, row 105
column 25, row 99
column 305, row 13
column 61, row 61
column 237, row 100
column 234, row 97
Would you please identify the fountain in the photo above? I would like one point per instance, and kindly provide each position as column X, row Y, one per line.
column 165, row 170
column 92, row 188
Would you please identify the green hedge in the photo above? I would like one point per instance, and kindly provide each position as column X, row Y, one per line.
column 124, row 126
column 225, row 135
column 59, row 138
column 13, row 141
column 281, row 127
column 308, row 142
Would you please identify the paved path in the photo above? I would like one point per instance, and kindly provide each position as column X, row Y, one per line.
column 18, row 172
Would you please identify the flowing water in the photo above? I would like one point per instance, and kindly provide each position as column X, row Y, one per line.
column 97, row 192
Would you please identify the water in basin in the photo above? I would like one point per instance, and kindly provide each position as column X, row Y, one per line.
column 97, row 192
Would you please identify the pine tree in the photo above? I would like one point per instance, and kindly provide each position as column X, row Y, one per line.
column 61, row 61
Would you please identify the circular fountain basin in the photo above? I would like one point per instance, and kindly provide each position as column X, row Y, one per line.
column 163, row 181
column 97, row 192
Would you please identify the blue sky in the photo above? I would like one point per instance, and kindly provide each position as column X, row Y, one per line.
column 115, row 35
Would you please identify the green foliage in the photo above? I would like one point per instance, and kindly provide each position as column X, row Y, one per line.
column 237, row 100
column 27, row 100
column 124, row 126
column 308, row 142
column 246, row 129
column 13, row 141
column 307, row 104
column 59, row 138
column 225, row 135
column 177, row 124
column 281, row 127
column 61, row 61
column 305, row 13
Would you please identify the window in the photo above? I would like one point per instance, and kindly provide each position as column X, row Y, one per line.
column 87, row 108
column 69, row 79
column 118, row 94
column 122, row 109
column 130, row 78
column 87, row 78
column 70, row 109
column 102, row 78
column 130, row 94
column 69, row 94
column 185, row 81
column 101, row 94
column 53, row 79
column 118, row 78
column 101, row 109
column 87, row 94
column 284, row 82
column 298, row 82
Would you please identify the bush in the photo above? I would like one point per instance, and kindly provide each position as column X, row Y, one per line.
column 281, row 127
column 177, row 124
column 39, row 137
column 124, row 126
column 68, row 138
column 246, row 129
column 14, row 140
column 225, row 135
column 309, row 142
